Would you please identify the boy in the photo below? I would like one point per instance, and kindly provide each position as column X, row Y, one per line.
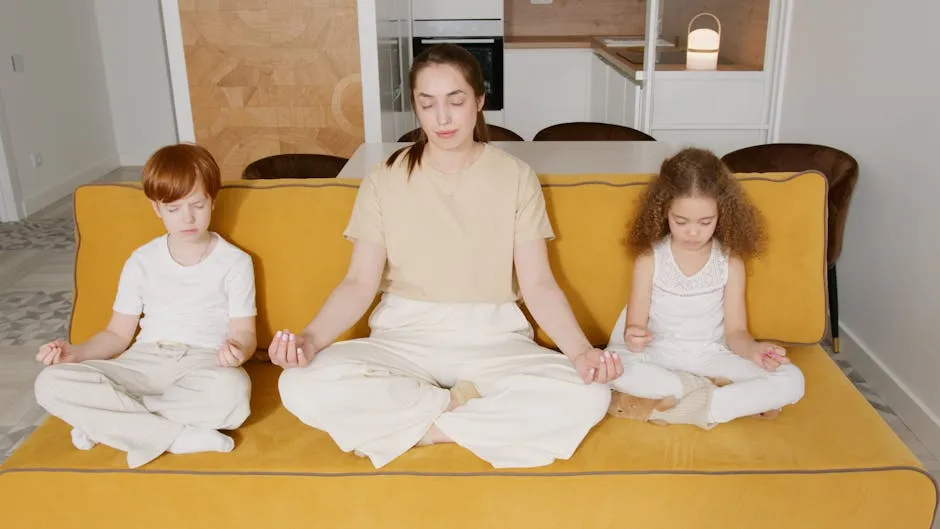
column 181, row 380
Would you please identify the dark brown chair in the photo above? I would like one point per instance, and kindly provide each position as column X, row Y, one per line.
column 495, row 132
column 589, row 131
column 841, row 171
column 300, row 165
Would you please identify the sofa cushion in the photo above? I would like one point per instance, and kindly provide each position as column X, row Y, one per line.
column 293, row 231
column 828, row 461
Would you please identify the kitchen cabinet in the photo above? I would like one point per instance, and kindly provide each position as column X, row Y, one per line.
column 544, row 87
column 721, row 111
column 614, row 96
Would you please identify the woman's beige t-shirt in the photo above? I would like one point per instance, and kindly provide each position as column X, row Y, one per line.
column 450, row 237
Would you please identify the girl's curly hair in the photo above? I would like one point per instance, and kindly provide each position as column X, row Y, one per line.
column 698, row 172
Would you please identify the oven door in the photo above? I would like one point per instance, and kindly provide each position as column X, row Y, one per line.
column 488, row 51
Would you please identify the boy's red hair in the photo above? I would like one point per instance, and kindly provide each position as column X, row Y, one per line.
column 174, row 171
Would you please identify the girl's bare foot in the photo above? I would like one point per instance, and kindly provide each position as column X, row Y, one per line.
column 629, row 407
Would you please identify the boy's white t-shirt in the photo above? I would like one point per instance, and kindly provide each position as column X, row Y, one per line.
column 186, row 304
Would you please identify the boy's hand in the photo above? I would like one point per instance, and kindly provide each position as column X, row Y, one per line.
column 230, row 355
column 290, row 350
column 636, row 338
column 768, row 356
column 57, row 352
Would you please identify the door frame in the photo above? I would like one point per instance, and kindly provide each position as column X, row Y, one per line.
column 11, row 205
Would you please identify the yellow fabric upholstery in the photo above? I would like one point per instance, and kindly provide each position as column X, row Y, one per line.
column 829, row 461
column 293, row 231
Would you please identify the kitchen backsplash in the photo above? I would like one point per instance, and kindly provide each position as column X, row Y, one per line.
column 743, row 26
column 575, row 17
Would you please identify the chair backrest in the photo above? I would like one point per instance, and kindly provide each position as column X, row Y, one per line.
column 590, row 131
column 839, row 167
column 495, row 132
column 300, row 165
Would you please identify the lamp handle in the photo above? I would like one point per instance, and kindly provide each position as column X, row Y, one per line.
column 718, row 22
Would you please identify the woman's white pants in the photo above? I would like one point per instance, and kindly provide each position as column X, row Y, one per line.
column 378, row 396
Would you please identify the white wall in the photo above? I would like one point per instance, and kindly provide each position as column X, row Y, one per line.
column 58, row 106
column 137, row 77
column 865, row 80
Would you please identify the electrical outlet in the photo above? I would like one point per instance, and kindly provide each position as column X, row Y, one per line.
column 36, row 158
column 540, row 2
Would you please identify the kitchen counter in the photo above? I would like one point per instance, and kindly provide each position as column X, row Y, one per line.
column 627, row 60
column 545, row 157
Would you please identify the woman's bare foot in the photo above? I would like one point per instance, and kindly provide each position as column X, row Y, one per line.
column 772, row 414
column 459, row 395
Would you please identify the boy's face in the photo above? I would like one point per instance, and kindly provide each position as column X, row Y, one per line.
column 188, row 217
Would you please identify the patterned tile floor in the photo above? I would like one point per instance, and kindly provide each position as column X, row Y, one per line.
column 36, row 258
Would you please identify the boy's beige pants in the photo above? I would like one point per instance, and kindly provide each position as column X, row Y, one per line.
column 140, row 401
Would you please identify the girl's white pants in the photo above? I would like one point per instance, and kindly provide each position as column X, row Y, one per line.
column 378, row 396
column 652, row 374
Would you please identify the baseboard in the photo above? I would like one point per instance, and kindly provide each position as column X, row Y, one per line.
column 66, row 187
column 915, row 414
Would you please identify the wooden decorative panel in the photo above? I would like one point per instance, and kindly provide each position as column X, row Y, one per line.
column 273, row 76
column 575, row 18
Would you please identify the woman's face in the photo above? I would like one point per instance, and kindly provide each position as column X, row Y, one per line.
column 446, row 106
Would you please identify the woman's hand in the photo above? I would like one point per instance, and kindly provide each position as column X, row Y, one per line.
column 594, row 365
column 290, row 350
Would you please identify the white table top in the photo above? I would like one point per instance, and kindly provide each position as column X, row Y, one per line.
column 545, row 157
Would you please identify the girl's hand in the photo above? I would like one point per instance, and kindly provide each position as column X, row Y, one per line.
column 636, row 338
column 57, row 352
column 595, row 365
column 229, row 355
column 290, row 350
column 768, row 356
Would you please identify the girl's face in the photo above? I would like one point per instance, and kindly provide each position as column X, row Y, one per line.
column 446, row 106
column 692, row 221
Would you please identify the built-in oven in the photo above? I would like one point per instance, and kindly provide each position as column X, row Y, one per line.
column 482, row 38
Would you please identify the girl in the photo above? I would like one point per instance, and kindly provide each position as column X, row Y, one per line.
column 440, row 228
column 684, row 331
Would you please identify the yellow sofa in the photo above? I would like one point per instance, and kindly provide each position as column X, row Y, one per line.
column 829, row 461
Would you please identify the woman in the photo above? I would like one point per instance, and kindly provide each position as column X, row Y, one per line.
column 439, row 228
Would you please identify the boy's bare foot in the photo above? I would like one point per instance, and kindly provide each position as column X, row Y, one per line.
column 629, row 407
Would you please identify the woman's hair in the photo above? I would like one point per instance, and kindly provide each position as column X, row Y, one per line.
column 466, row 64
column 698, row 173
column 173, row 171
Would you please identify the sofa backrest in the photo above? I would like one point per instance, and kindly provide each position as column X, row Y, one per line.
column 292, row 229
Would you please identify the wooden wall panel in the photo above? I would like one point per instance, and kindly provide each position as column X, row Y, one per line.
column 273, row 76
column 575, row 18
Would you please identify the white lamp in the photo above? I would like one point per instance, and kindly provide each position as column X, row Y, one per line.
column 702, row 48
